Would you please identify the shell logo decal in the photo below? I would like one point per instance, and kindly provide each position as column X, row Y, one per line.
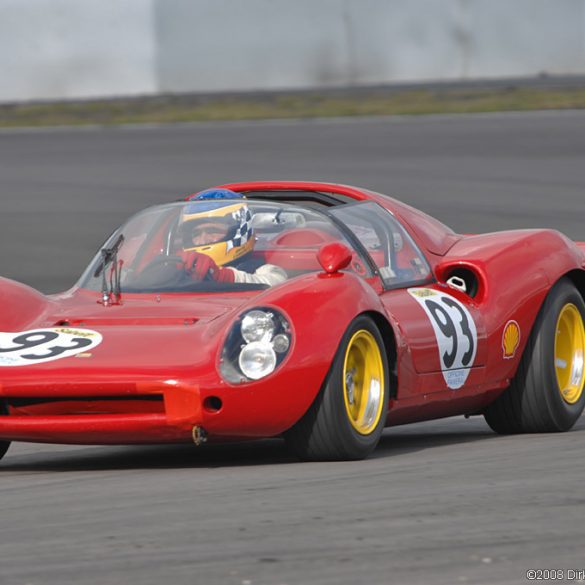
column 510, row 339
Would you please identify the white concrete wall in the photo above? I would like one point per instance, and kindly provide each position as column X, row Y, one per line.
column 76, row 48
column 85, row 48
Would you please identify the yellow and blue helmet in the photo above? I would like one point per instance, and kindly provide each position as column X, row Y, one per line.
column 233, row 213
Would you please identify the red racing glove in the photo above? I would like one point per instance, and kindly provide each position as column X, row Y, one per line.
column 199, row 266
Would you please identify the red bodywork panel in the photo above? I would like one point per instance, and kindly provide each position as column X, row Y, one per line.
column 156, row 373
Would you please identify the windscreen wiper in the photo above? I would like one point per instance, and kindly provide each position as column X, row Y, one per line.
column 110, row 291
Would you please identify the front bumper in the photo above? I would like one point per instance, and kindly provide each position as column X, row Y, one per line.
column 142, row 409
column 94, row 429
column 126, row 413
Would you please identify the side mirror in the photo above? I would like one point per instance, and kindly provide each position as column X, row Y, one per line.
column 334, row 257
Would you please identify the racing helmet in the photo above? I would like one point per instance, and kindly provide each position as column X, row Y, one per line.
column 233, row 214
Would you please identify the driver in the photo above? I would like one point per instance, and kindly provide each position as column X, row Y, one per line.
column 217, row 239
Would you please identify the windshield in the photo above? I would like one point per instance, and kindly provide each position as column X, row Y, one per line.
column 217, row 246
column 238, row 245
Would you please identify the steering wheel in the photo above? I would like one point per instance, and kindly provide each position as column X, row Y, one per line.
column 160, row 269
column 161, row 261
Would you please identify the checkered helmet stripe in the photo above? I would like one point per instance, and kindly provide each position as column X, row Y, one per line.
column 244, row 230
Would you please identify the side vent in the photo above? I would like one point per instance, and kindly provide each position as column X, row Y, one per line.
column 464, row 278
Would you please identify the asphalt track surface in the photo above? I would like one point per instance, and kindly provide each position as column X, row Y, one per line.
column 439, row 502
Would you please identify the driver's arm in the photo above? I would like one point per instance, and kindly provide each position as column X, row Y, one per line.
column 267, row 274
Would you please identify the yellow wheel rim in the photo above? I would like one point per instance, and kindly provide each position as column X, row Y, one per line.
column 363, row 382
column 570, row 353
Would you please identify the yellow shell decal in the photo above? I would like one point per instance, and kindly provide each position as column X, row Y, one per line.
column 510, row 339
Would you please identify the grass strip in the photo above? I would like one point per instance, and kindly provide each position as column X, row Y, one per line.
column 335, row 103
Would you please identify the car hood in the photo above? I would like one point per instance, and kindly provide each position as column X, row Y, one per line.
column 83, row 308
column 144, row 336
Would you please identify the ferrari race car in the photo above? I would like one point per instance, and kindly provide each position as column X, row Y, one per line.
column 317, row 312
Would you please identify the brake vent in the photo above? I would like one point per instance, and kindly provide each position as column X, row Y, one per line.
column 56, row 406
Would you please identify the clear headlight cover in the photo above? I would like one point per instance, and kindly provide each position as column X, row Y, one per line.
column 258, row 326
column 256, row 345
column 257, row 360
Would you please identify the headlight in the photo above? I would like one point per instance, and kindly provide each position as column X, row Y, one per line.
column 257, row 360
column 257, row 326
column 255, row 346
column 281, row 343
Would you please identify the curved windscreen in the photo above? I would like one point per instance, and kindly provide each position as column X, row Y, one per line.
column 214, row 246
column 238, row 245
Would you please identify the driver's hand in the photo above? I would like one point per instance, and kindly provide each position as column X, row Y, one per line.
column 201, row 266
column 198, row 265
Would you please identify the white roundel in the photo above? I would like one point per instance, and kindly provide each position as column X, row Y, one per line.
column 26, row 348
column 455, row 332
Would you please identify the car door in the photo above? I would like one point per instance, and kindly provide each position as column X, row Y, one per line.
column 444, row 336
column 441, row 329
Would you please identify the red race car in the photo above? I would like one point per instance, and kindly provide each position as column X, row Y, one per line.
column 317, row 312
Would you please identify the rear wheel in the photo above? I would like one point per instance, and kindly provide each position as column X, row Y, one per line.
column 547, row 393
column 347, row 418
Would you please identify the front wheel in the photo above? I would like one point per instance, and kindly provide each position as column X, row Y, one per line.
column 3, row 448
column 547, row 393
column 347, row 418
column 3, row 444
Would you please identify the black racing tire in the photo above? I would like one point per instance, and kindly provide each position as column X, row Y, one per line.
column 4, row 445
column 534, row 401
column 348, row 415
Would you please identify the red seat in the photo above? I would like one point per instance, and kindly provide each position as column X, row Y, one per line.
column 303, row 238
